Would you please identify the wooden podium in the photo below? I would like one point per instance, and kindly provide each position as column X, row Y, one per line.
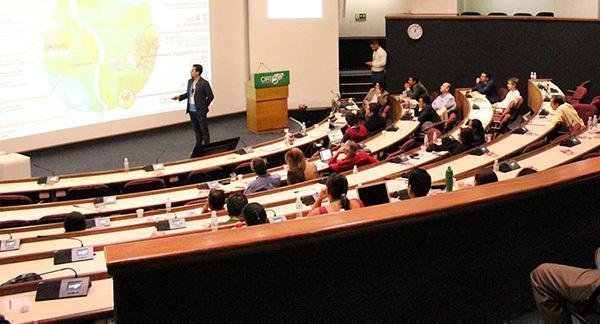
column 266, row 102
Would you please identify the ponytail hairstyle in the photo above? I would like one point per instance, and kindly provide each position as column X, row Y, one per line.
column 337, row 187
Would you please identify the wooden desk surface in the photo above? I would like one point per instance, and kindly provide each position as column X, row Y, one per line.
column 118, row 176
column 184, row 193
column 98, row 300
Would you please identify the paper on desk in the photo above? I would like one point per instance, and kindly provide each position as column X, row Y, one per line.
column 15, row 304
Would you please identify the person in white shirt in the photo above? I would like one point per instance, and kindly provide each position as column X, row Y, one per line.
column 445, row 102
column 513, row 94
column 377, row 64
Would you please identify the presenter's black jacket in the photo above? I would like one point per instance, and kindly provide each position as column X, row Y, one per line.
column 203, row 95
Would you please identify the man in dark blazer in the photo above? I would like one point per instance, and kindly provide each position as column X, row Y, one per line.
column 199, row 95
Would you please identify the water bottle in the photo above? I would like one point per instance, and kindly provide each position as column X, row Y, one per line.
column 355, row 170
column 590, row 123
column 425, row 142
column 595, row 121
column 126, row 164
column 531, row 75
column 304, row 128
column 168, row 205
column 299, row 207
column 535, row 75
column 449, row 179
column 214, row 221
column 496, row 166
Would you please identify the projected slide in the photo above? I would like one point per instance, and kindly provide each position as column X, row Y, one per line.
column 70, row 63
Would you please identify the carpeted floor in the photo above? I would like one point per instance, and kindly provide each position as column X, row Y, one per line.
column 141, row 148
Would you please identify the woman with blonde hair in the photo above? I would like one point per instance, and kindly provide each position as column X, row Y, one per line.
column 299, row 169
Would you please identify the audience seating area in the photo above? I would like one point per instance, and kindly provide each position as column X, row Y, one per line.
column 131, row 247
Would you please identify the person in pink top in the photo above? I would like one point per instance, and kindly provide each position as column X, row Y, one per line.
column 335, row 191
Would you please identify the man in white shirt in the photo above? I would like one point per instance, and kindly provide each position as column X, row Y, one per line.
column 445, row 102
column 377, row 64
column 513, row 94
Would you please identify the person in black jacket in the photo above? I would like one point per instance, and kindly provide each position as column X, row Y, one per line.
column 465, row 142
column 199, row 95
column 478, row 132
column 485, row 85
column 374, row 122
column 428, row 115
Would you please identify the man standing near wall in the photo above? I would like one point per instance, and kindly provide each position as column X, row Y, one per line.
column 199, row 95
column 377, row 64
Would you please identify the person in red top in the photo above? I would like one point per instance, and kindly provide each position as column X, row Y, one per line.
column 335, row 191
column 356, row 131
column 353, row 157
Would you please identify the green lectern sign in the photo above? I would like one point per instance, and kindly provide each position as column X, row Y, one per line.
column 271, row 79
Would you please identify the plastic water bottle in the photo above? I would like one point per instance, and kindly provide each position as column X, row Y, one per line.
column 299, row 207
column 126, row 164
column 304, row 128
column 590, row 124
column 496, row 166
column 595, row 121
column 425, row 142
column 355, row 170
column 535, row 75
column 214, row 221
column 449, row 179
column 168, row 205
column 531, row 75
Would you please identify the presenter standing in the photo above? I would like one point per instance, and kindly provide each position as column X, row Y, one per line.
column 377, row 64
column 199, row 95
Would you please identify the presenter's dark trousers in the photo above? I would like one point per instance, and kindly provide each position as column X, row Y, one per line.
column 378, row 77
column 200, row 127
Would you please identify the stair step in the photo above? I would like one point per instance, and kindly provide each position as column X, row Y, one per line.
column 350, row 73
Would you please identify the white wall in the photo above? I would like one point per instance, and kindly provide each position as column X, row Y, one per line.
column 306, row 47
column 434, row 7
column 376, row 11
column 561, row 8
column 579, row 9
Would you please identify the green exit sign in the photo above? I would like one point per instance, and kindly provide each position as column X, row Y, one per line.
column 360, row 16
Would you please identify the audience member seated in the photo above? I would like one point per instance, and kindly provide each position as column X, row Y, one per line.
column 335, row 191
column 428, row 115
column 465, row 142
column 513, row 94
column 478, row 132
column 414, row 89
column 419, row 183
column 254, row 214
column 216, row 200
column 373, row 120
column 235, row 203
column 299, row 169
column 444, row 103
column 526, row 171
column 555, row 286
column 485, row 176
column 264, row 180
column 376, row 95
column 353, row 156
column 74, row 221
column 485, row 85
column 565, row 115
column 355, row 131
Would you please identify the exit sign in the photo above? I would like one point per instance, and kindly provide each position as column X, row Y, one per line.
column 360, row 16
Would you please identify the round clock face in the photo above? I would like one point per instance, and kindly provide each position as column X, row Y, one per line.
column 415, row 31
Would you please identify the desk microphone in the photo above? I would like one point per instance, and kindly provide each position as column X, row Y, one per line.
column 45, row 169
column 63, row 288
column 65, row 238
column 86, row 208
column 159, row 156
column 10, row 244
column 46, row 180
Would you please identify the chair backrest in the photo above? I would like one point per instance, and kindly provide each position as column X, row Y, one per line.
column 470, row 13
column 451, row 120
column 591, row 155
column 140, row 185
column 49, row 219
column 596, row 102
column 534, row 146
column 84, row 192
column 578, row 95
column 14, row 200
column 586, row 84
column 243, row 168
column 14, row 223
column 513, row 107
column 502, row 91
column 396, row 108
column 198, row 176
column 545, row 14
column 433, row 95
column 497, row 14
column 195, row 202
column 431, row 132
column 523, row 14
column 585, row 111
